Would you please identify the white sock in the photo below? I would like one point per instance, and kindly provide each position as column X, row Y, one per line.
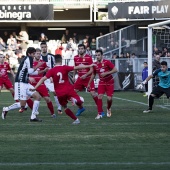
column 13, row 106
column 57, row 102
column 35, row 109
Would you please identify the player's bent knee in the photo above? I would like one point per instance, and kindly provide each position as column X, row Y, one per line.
column 36, row 96
column 109, row 98
column 47, row 99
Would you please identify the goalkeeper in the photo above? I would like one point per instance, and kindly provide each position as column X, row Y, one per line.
column 163, row 87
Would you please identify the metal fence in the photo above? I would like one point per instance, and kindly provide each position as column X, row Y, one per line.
column 127, row 40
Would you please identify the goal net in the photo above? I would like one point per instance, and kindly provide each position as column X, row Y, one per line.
column 158, row 37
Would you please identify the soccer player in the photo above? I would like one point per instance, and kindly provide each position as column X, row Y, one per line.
column 105, row 69
column 50, row 61
column 22, row 92
column 64, row 90
column 34, row 79
column 4, row 79
column 83, row 75
column 163, row 87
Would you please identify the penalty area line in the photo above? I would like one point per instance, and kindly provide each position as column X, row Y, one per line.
column 83, row 163
column 133, row 101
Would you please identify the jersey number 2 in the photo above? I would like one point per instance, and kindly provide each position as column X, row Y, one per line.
column 61, row 76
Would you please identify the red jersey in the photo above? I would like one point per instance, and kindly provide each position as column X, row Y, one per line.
column 39, row 76
column 60, row 78
column 4, row 68
column 103, row 67
column 85, row 60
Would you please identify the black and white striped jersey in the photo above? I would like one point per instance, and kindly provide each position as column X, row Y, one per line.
column 49, row 59
column 25, row 68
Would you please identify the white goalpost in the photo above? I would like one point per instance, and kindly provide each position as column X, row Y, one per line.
column 160, row 25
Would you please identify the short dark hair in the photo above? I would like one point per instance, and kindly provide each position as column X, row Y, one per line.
column 43, row 43
column 145, row 62
column 164, row 63
column 38, row 50
column 99, row 51
column 81, row 45
column 58, row 58
column 30, row 50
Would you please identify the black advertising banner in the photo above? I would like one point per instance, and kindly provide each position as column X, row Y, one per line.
column 26, row 12
column 139, row 10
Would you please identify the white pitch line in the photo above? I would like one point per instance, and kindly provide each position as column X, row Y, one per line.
column 133, row 101
column 84, row 163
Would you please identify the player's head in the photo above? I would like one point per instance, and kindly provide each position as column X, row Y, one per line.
column 38, row 54
column 99, row 55
column 164, row 66
column 2, row 57
column 145, row 64
column 81, row 49
column 58, row 59
column 30, row 51
column 43, row 46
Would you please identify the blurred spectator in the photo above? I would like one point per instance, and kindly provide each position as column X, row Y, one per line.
column 63, row 39
column 14, row 34
column 123, row 44
column 156, row 62
column 71, row 46
column 121, row 55
column 11, row 38
column 115, row 56
column 75, row 38
column 5, row 36
column 19, row 55
column 85, row 42
column 7, row 57
column 93, row 44
column 88, row 38
column 133, row 55
column 144, row 76
column 164, row 52
column 168, row 54
column 13, row 45
column 13, row 60
column 67, row 36
column 59, row 49
column 43, row 37
column 2, row 45
column 22, row 41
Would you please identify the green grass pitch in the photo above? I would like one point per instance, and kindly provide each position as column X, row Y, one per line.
column 129, row 140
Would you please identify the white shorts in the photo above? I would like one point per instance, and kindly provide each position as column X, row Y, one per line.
column 22, row 91
column 49, row 85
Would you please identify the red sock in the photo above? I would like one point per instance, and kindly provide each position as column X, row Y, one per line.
column 109, row 104
column 30, row 103
column 13, row 97
column 95, row 99
column 100, row 105
column 51, row 108
column 70, row 113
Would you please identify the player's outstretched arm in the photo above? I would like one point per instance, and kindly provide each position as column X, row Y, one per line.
column 82, row 66
column 140, row 86
column 114, row 70
column 11, row 71
column 39, row 83
column 91, row 79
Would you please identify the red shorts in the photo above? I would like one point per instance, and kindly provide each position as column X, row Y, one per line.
column 106, row 87
column 6, row 82
column 80, row 84
column 43, row 90
column 64, row 97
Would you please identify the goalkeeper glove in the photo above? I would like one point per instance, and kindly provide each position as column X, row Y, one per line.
column 140, row 86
